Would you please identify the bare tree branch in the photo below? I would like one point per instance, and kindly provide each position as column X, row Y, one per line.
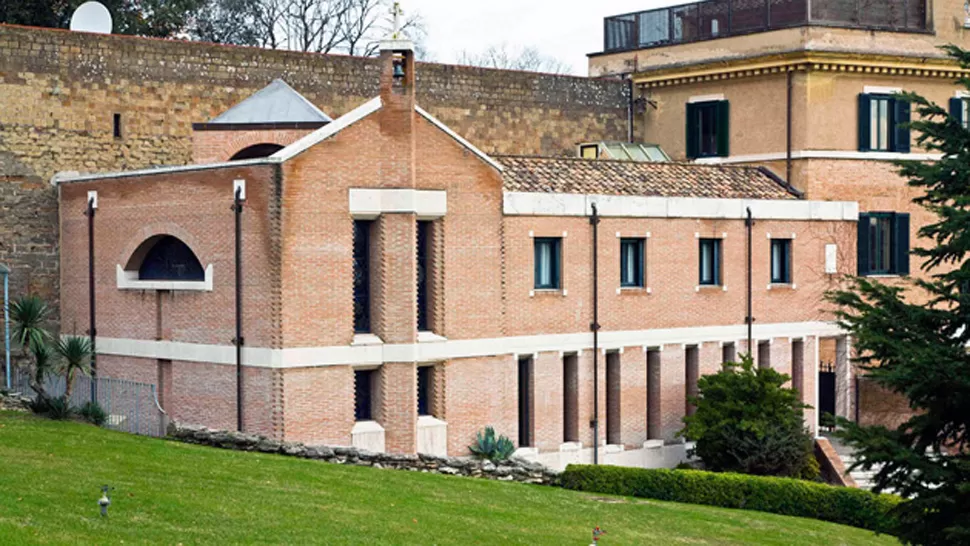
column 504, row 57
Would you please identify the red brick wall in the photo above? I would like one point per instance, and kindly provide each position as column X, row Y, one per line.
column 219, row 146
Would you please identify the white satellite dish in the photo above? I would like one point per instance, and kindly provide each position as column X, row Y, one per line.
column 91, row 17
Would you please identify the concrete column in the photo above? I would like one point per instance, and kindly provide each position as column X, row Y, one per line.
column 398, row 409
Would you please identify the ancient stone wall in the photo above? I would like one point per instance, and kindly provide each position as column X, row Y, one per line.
column 60, row 93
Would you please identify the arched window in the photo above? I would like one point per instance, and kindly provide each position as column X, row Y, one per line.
column 166, row 258
column 256, row 151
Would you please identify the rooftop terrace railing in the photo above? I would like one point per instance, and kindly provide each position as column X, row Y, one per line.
column 722, row 18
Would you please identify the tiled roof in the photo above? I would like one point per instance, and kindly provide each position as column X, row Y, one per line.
column 608, row 177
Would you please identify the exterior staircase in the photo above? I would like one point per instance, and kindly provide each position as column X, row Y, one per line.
column 864, row 479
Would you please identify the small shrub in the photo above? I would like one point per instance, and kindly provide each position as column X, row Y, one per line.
column 785, row 496
column 488, row 446
column 748, row 422
column 59, row 409
column 93, row 413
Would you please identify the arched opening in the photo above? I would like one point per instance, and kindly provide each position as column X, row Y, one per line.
column 165, row 258
column 255, row 151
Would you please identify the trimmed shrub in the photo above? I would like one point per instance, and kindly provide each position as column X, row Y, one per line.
column 784, row 496
column 93, row 413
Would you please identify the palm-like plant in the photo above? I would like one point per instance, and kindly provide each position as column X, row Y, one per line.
column 29, row 314
column 76, row 351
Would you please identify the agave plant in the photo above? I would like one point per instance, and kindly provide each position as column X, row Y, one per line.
column 43, row 357
column 76, row 352
column 489, row 446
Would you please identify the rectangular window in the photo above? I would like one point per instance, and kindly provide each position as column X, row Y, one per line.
column 589, row 151
column 116, row 125
column 691, row 376
column 960, row 109
column 781, row 261
column 654, row 421
column 631, row 263
column 424, row 281
column 525, row 402
column 425, row 393
column 362, row 276
column 363, row 387
column 708, row 129
column 883, row 243
column 729, row 353
column 710, row 262
column 879, row 124
column 883, row 123
column 548, row 263
column 764, row 354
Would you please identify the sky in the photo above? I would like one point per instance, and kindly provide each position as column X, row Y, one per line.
column 565, row 29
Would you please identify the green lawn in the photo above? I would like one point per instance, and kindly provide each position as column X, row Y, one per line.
column 171, row 493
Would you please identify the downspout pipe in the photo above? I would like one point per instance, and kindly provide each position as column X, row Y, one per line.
column 749, row 319
column 237, row 208
column 92, row 299
column 594, row 221
column 5, row 271
column 788, row 147
column 629, row 109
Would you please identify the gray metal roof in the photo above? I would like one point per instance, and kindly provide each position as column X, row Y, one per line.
column 275, row 103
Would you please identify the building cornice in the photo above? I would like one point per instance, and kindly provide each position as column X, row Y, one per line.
column 814, row 61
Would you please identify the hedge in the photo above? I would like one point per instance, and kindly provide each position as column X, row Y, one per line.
column 784, row 496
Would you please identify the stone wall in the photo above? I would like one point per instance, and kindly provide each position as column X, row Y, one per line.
column 512, row 470
column 60, row 92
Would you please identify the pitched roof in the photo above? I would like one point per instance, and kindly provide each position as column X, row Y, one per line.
column 610, row 177
column 275, row 103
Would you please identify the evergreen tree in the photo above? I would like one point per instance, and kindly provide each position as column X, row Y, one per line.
column 157, row 18
column 912, row 338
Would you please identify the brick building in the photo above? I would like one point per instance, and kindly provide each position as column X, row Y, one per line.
column 401, row 289
column 804, row 88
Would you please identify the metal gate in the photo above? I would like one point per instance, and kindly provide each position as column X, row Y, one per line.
column 826, row 392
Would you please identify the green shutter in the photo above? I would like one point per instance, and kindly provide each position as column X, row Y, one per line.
column 865, row 107
column 723, row 128
column 901, row 117
column 956, row 110
column 692, row 133
column 863, row 245
column 900, row 258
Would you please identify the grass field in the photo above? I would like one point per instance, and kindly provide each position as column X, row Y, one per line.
column 171, row 493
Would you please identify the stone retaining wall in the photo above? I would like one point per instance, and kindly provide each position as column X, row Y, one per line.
column 518, row 470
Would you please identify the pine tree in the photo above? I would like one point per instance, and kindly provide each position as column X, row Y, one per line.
column 912, row 338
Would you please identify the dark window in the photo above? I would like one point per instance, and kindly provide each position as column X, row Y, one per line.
column 362, row 276
column 363, row 386
column 170, row 260
column 883, row 243
column 960, row 109
column 425, row 384
column 570, row 398
column 691, row 377
column 424, row 251
column 708, row 129
column 525, row 402
column 631, row 263
column 548, row 262
column 710, row 262
column 256, row 151
column 883, row 123
column 116, row 125
column 781, row 261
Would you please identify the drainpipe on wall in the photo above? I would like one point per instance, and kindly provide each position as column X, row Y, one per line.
column 5, row 271
column 92, row 299
column 629, row 109
column 749, row 320
column 238, row 197
column 788, row 151
column 594, row 221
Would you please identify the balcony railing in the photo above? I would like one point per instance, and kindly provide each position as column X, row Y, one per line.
column 722, row 18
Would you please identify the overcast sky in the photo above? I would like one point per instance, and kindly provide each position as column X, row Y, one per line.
column 565, row 29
